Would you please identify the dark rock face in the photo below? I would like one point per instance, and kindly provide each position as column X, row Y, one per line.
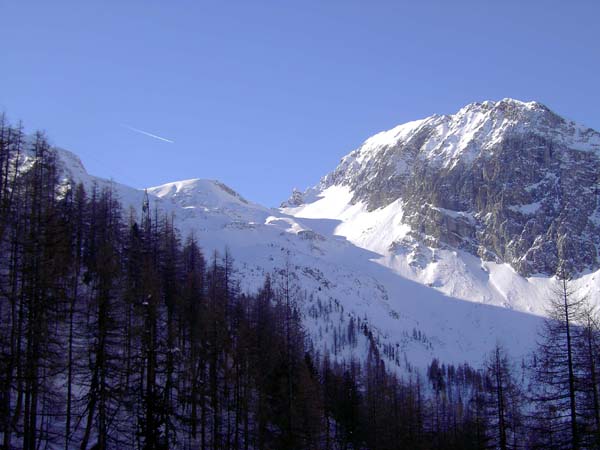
column 296, row 199
column 508, row 181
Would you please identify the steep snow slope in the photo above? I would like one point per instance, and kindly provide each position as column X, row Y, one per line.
column 337, row 278
column 453, row 272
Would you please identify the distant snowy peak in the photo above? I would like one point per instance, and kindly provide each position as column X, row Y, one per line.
column 198, row 192
column 191, row 202
column 508, row 181
column 193, row 193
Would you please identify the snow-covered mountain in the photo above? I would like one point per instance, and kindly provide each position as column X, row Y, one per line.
column 483, row 205
column 441, row 235
column 507, row 181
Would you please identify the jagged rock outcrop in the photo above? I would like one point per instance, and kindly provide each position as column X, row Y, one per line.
column 508, row 181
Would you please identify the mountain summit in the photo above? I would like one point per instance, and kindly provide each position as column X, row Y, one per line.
column 501, row 180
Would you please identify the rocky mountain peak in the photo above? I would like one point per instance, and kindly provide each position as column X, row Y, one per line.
column 198, row 192
column 509, row 181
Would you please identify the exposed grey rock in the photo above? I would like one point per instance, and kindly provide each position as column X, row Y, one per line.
column 296, row 199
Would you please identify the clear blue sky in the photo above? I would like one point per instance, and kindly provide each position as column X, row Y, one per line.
column 269, row 95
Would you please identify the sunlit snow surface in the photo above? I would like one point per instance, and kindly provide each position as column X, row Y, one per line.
column 456, row 274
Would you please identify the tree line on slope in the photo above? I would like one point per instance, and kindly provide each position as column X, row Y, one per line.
column 116, row 334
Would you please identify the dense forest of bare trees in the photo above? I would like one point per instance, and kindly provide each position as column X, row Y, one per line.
column 116, row 333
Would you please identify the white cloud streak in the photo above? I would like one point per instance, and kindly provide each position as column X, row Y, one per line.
column 160, row 138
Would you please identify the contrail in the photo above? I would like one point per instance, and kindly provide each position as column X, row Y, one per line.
column 160, row 138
